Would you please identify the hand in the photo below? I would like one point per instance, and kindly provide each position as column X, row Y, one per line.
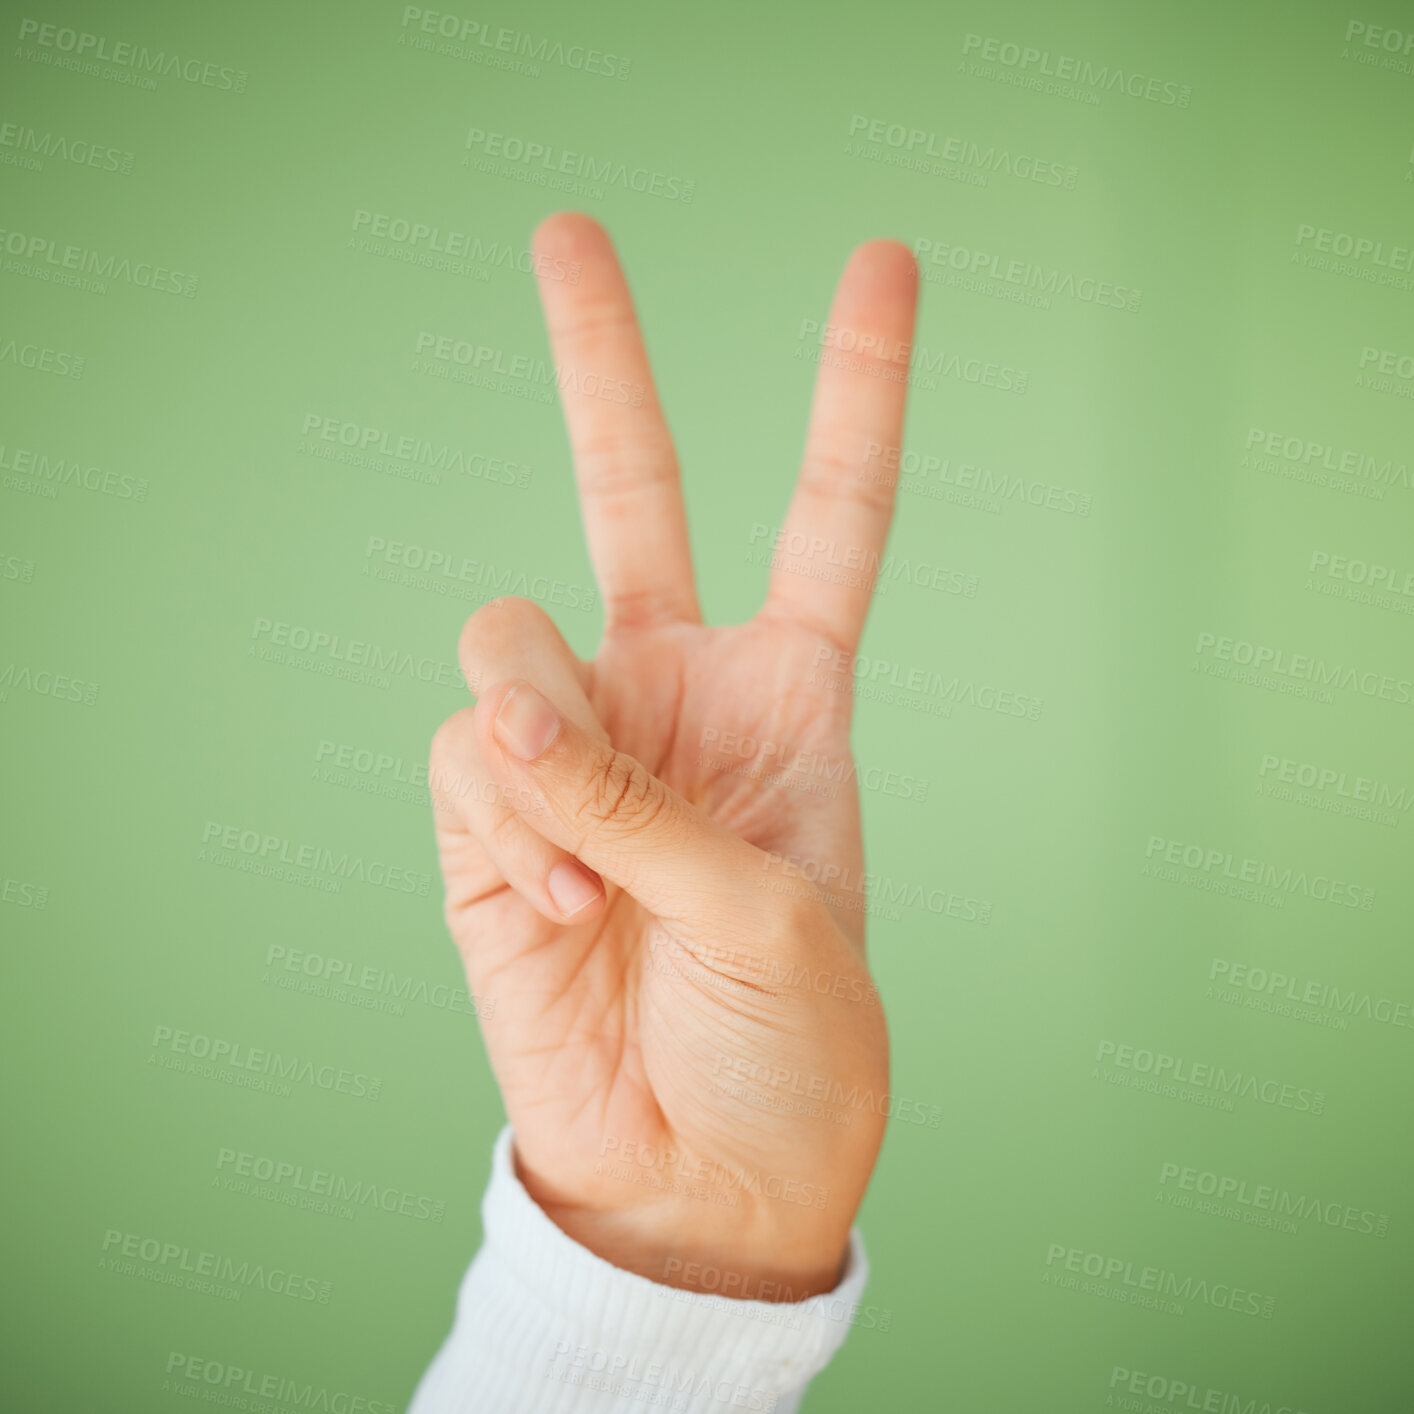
column 662, row 980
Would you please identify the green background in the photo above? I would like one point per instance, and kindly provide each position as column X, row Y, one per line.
column 1149, row 412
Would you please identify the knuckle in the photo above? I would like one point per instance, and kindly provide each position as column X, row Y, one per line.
column 608, row 465
column 620, row 795
column 504, row 831
column 595, row 321
column 834, row 475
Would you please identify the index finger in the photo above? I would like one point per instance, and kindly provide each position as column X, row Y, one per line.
column 624, row 461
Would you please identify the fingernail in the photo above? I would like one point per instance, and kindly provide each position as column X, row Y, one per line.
column 572, row 887
column 526, row 723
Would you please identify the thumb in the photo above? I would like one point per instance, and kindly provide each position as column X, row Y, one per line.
column 609, row 811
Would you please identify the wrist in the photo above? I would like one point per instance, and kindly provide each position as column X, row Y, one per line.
column 762, row 1250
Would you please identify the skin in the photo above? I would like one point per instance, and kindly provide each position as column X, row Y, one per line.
column 635, row 1039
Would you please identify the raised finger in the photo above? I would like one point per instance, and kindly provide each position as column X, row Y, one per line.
column 826, row 557
column 625, row 465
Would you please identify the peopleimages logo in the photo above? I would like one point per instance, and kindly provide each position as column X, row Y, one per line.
column 853, row 564
column 82, row 45
column 174, row 1259
column 45, row 253
column 660, row 1167
column 1203, row 1076
column 217, row 1058
column 1262, row 658
column 31, row 145
column 1220, row 864
column 223, row 1382
column 45, row 683
column 357, row 444
column 917, row 145
column 457, row 33
column 1113, row 1274
column 941, row 259
column 316, row 1184
column 534, row 372
column 444, row 571
column 778, row 763
column 1024, row 57
column 65, row 471
column 44, row 360
column 1314, row 457
column 276, row 849
column 844, row 669
column 1334, row 785
column 920, row 470
column 437, row 241
column 369, row 981
column 893, row 361
column 542, row 160
column 844, row 887
column 1269, row 986
column 797, row 1084
column 1356, row 247
column 1264, row 1199
column 353, row 658
column 1185, row 1394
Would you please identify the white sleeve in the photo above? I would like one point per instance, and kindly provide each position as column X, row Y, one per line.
column 543, row 1326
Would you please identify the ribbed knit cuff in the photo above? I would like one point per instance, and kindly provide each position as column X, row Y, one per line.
column 545, row 1326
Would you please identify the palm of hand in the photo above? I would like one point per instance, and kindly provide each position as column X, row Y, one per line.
column 604, row 1031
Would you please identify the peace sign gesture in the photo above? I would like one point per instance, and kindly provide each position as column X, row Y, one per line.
column 690, row 1051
